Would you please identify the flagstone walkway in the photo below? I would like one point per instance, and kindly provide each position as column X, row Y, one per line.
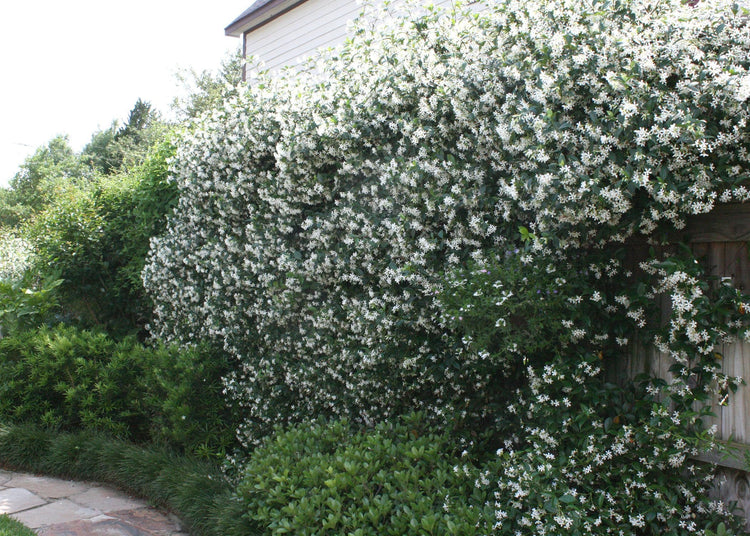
column 54, row 507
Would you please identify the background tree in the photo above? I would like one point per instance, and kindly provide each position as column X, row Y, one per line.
column 125, row 145
column 96, row 239
column 207, row 89
column 51, row 169
column 100, row 152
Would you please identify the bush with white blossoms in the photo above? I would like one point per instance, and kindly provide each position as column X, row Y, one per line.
column 581, row 455
column 329, row 221
column 318, row 214
column 15, row 257
column 597, row 459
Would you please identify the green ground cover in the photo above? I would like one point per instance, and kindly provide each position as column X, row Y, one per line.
column 11, row 527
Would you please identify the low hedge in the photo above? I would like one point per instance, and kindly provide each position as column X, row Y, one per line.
column 398, row 478
column 73, row 379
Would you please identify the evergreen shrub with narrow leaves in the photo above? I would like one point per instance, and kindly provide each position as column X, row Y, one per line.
column 73, row 379
column 332, row 230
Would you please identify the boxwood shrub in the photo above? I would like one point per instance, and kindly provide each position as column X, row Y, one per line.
column 398, row 478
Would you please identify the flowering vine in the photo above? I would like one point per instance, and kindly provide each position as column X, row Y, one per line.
column 351, row 236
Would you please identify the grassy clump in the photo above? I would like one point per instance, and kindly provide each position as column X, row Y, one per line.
column 194, row 489
column 11, row 527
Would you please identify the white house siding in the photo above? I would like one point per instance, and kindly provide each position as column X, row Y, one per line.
column 314, row 24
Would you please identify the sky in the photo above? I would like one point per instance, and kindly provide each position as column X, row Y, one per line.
column 72, row 67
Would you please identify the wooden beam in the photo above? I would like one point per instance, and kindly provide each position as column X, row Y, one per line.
column 726, row 223
column 732, row 456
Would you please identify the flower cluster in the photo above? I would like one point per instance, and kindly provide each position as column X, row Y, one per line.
column 320, row 215
column 588, row 465
column 507, row 315
column 15, row 258
column 705, row 314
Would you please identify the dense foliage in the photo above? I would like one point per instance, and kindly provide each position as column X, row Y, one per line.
column 26, row 302
column 581, row 463
column 124, row 146
column 434, row 217
column 313, row 233
column 396, row 479
column 437, row 217
column 44, row 175
column 71, row 379
column 593, row 458
column 74, row 233
column 96, row 239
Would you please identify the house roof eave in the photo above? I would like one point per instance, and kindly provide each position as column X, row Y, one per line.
column 258, row 14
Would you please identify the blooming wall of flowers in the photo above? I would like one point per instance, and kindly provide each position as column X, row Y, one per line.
column 326, row 221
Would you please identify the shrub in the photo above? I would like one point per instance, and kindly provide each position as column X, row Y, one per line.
column 397, row 479
column 593, row 458
column 71, row 379
column 580, row 455
column 185, row 390
column 24, row 305
column 96, row 238
column 52, row 376
column 319, row 215
column 506, row 314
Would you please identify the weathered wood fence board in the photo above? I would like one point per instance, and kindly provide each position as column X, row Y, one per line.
column 726, row 223
column 720, row 241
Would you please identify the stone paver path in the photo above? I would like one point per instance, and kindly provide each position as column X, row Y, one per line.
column 54, row 507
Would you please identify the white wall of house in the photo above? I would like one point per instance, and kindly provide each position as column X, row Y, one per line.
column 314, row 24
column 295, row 34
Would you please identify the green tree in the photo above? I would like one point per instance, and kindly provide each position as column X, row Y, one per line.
column 96, row 239
column 11, row 212
column 139, row 119
column 206, row 89
column 126, row 145
column 100, row 152
column 51, row 169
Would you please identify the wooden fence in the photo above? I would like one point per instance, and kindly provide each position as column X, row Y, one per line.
column 720, row 240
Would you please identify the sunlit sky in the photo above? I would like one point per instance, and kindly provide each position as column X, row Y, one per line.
column 73, row 67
